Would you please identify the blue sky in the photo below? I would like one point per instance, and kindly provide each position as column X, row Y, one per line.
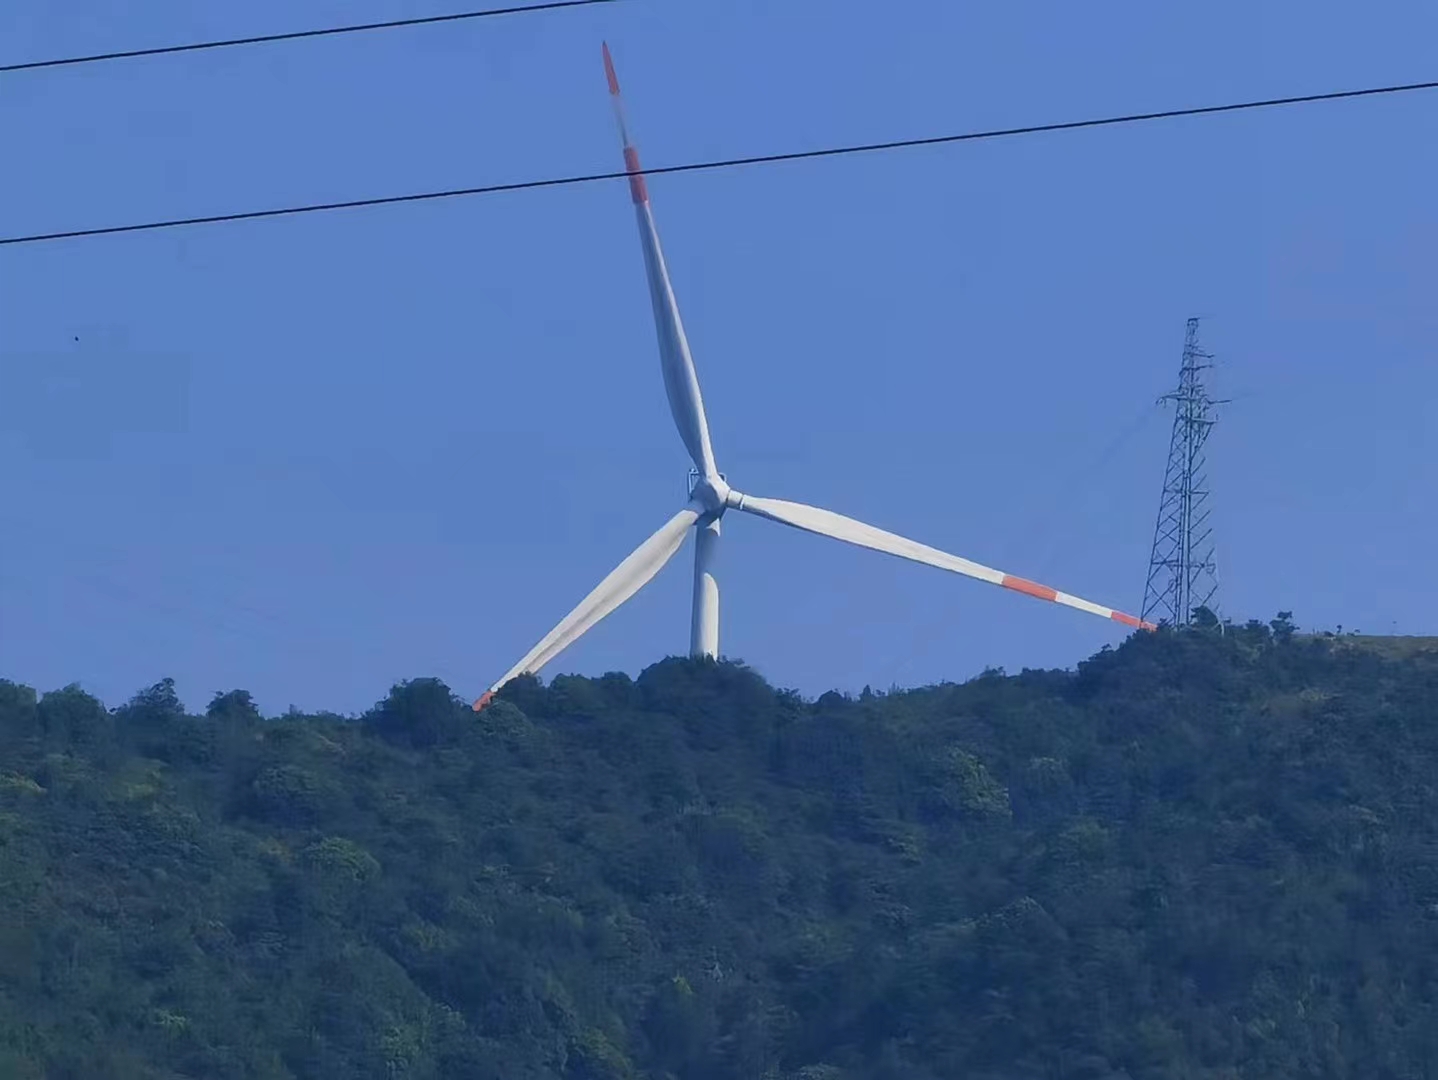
column 312, row 456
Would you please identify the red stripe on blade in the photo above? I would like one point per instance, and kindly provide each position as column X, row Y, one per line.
column 484, row 699
column 1029, row 588
column 637, row 187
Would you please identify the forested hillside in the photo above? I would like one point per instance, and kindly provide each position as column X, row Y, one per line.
column 1200, row 856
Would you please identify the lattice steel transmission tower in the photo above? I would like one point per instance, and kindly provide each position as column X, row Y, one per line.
column 1181, row 573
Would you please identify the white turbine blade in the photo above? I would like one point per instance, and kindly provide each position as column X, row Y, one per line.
column 626, row 579
column 828, row 523
column 681, row 383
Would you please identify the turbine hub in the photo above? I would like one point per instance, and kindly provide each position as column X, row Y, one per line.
column 712, row 493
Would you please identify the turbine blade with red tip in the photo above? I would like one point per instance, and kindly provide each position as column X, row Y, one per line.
column 681, row 382
column 827, row 523
column 624, row 581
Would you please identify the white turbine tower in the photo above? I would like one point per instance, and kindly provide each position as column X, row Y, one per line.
column 711, row 496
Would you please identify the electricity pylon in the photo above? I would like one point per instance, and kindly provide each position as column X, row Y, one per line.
column 1181, row 573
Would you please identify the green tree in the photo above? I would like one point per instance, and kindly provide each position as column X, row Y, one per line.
column 419, row 713
column 233, row 705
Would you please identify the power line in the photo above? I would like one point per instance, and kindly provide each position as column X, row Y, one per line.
column 727, row 163
column 265, row 39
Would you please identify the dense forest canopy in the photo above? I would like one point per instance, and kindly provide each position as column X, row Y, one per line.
column 1204, row 855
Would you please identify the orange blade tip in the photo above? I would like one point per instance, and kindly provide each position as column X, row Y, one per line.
column 484, row 699
column 609, row 71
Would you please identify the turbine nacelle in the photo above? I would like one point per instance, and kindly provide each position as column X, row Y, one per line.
column 714, row 494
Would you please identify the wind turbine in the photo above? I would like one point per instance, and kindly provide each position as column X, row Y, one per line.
column 711, row 496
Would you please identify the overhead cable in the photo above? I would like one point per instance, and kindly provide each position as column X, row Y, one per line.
column 727, row 163
column 266, row 39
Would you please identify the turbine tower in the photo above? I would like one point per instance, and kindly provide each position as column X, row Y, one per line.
column 710, row 495
column 1181, row 573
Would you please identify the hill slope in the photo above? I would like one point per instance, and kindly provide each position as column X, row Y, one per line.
column 1198, row 856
